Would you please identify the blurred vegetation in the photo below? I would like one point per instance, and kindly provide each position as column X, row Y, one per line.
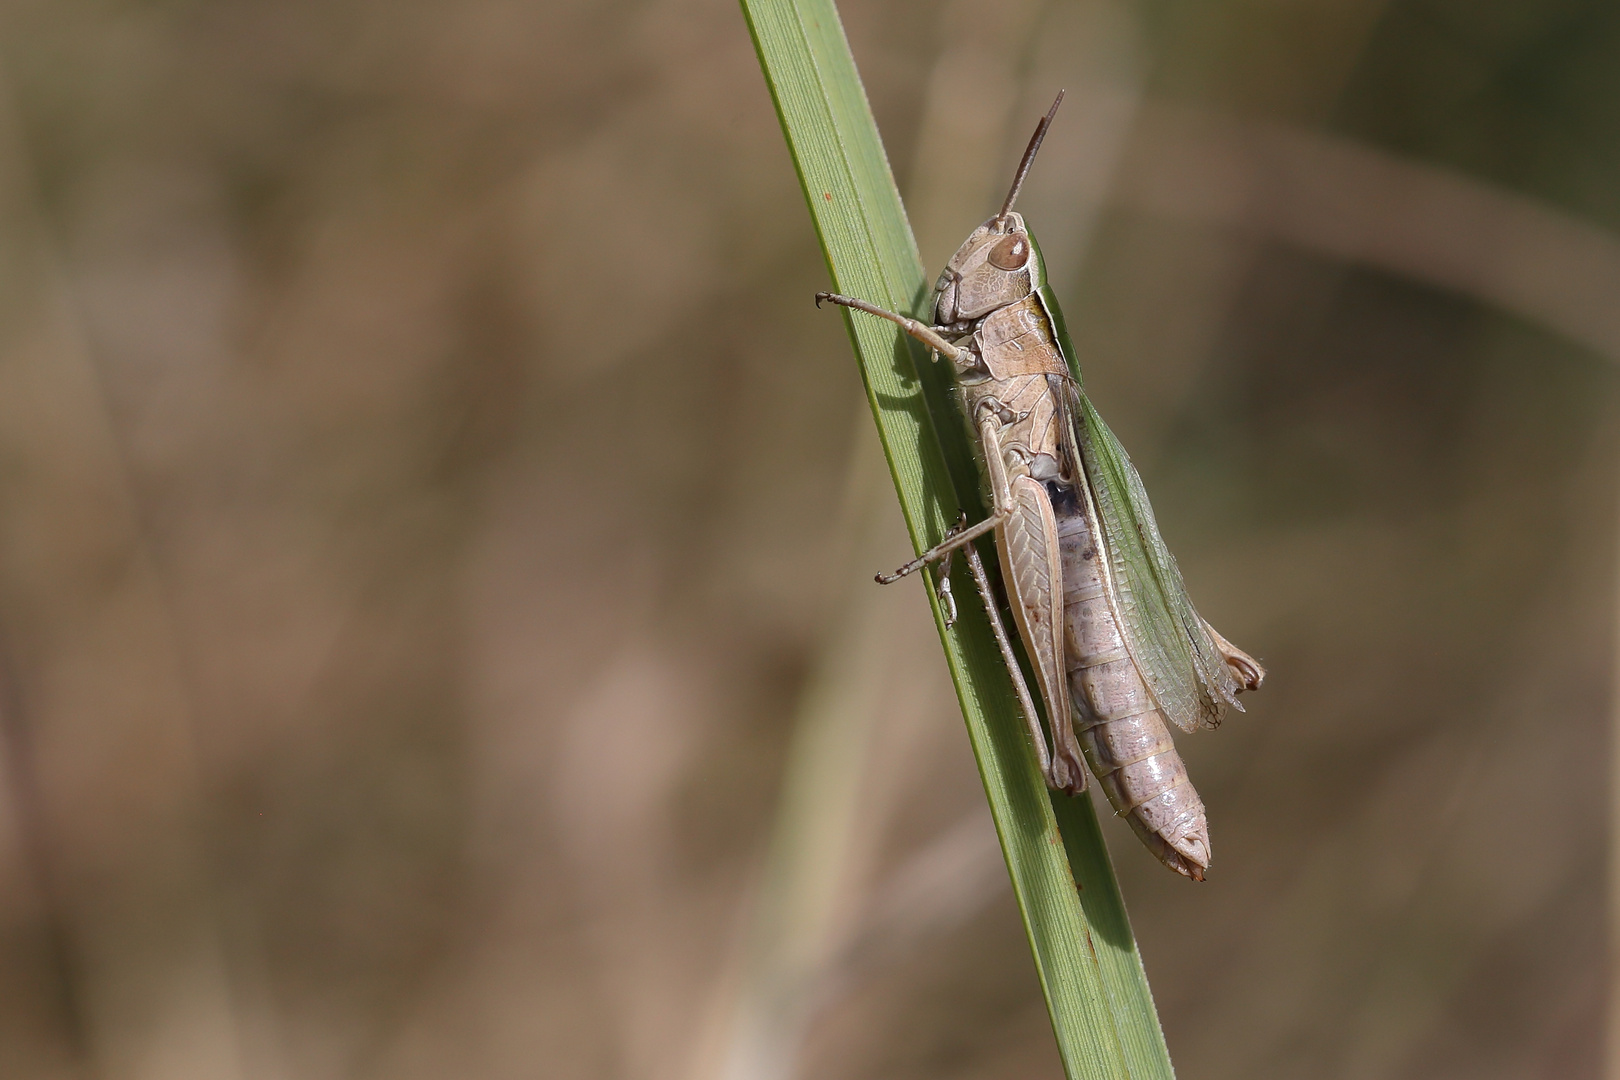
column 421, row 470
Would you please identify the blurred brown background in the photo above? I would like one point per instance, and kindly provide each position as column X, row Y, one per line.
column 436, row 528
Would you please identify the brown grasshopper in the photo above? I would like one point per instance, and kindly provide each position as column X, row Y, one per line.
column 1115, row 644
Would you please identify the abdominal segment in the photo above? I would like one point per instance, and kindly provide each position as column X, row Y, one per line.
column 1122, row 733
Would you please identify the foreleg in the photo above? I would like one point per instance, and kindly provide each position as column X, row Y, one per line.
column 928, row 335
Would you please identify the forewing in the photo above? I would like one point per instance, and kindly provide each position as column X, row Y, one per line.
column 1171, row 645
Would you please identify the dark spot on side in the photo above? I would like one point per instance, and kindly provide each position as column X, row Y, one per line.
column 1088, row 553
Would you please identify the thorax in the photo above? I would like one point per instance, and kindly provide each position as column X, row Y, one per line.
column 1017, row 364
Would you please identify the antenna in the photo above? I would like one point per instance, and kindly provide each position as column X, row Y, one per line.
column 1029, row 155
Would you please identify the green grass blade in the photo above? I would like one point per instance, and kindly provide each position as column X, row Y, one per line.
column 1102, row 1010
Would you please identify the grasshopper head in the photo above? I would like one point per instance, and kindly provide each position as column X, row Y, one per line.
column 998, row 264
column 993, row 268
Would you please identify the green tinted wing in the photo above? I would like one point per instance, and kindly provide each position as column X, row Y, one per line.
column 1171, row 645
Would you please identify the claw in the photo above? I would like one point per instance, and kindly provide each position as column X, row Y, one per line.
column 1067, row 776
column 947, row 600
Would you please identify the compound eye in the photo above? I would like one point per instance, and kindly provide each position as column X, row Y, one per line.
column 1011, row 252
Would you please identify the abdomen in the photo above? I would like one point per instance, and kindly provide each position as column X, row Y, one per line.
column 1123, row 734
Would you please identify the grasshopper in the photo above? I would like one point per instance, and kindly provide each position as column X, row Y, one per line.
column 1115, row 645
